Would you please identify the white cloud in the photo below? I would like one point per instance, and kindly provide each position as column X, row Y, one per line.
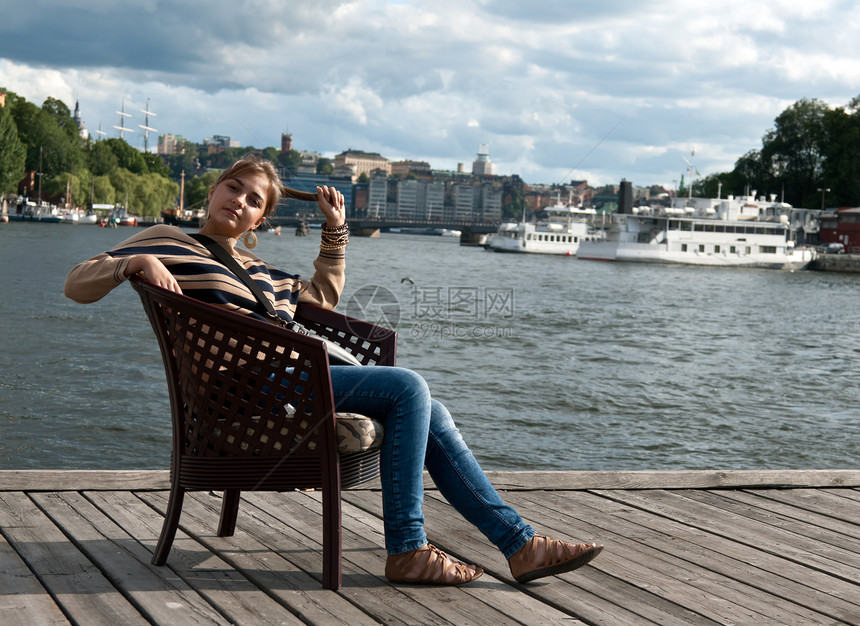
column 541, row 83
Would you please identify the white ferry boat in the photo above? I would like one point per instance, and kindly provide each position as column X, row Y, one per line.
column 736, row 231
column 561, row 233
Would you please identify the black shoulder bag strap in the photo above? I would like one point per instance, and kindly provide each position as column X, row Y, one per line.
column 233, row 265
column 337, row 355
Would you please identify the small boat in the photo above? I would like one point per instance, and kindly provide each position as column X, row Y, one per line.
column 564, row 229
column 33, row 212
column 78, row 216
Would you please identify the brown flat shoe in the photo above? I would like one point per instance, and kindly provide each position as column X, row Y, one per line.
column 543, row 556
column 428, row 565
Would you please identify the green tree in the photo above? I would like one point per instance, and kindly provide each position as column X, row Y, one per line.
column 289, row 160
column 61, row 114
column 842, row 149
column 101, row 158
column 102, row 190
column 155, row 165
column 124, row 182
column 153, row 194
column 792, row 154
column 57, row 187
column 13, row 154
column 325, row 166
column 127, row 157
column 197, row 189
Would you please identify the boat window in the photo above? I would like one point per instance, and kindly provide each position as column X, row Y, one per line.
column 720, row 229
column 698, row 227
column 709, row 228
column 768, row 249
column 732, row 249
column 747, row 250
column 683, row 247
column 686, row 226
column 701, row 247
column 716, row 249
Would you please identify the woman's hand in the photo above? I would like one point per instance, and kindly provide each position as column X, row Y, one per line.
column 152, row 269
column 330, row 201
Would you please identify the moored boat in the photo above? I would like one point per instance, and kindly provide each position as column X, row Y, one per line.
column 562, row 232
column 738, row 231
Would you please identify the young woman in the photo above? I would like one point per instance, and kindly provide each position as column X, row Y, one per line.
column 419, row 431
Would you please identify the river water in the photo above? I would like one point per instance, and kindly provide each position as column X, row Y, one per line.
column 547, row 363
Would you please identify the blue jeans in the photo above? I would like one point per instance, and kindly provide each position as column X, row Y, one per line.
column 419, row 431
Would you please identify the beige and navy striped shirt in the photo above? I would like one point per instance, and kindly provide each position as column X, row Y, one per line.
column 203, row 277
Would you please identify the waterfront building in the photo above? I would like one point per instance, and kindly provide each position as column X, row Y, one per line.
column 407, row 199
column 491, row 202
column 377, row 194
column 360, row 162
column 463, row 197
column 841, row 226
column 309, row 182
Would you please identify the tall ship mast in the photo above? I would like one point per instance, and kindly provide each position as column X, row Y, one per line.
column 145, row 126
column 122, row 128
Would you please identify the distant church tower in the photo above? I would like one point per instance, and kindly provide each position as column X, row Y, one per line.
column 82, row 128
column 286, row 142
column 482, row 166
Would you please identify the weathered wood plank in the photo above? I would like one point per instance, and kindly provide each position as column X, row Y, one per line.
column 698, row 479
column 92, row 480
column 124, row 561
column 268, row 565
column 786, row 544
column 222, row 587
column 592, row 593
column 452, row 533
column 435, row 604
column 687, row 582
column 23, row 601
column 495, row 595
column 837, row 506
column 827, row 529
column 80, row 480
column 77, row 585
column 785, row 581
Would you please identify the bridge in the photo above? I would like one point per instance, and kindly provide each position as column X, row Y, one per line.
column 472, row 231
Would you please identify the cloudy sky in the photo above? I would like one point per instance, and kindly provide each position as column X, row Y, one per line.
column 557, row 89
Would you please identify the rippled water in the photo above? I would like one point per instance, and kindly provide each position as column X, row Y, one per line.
column 545, row 362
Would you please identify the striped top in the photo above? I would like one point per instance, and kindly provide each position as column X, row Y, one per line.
column 203, row 277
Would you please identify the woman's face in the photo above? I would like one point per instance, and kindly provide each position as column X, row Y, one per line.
column 236, row 205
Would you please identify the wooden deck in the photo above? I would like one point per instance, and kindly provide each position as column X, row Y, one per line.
column 739, row 547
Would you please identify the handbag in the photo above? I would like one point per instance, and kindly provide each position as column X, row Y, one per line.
column 337, row 355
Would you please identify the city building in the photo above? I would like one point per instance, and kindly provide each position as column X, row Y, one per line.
column 360, row 162
column 309, row 182
column 219, row 143
column 83, row 133
column 482, row 166
column 405, row 168
column 171, row 144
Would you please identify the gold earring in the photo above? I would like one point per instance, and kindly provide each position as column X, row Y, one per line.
column 250, row 239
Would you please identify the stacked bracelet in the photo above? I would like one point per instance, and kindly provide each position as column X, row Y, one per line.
column 334, row 237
